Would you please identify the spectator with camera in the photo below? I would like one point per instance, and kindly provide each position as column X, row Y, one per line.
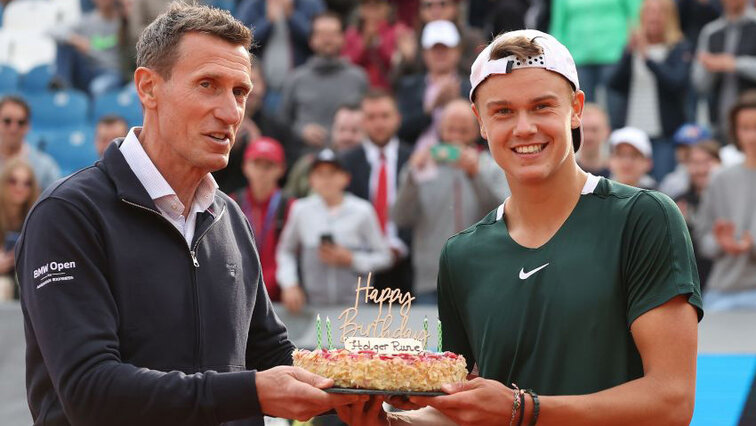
column 337, row 237
column 444, row 189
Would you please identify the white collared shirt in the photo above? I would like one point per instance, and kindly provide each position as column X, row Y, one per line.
column 391, row 152
column 160, row 191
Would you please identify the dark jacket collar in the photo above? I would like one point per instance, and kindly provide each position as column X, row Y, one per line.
column 128, row 187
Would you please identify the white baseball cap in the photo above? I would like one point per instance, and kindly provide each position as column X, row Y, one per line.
column 634, row 137
column 440, row 32
column 555, row 57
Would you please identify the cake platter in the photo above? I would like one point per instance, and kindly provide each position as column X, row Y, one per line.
column 355, row 391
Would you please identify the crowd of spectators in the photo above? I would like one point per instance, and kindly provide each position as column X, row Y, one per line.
column 359, row 153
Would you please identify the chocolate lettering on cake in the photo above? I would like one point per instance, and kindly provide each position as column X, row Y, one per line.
column 378, row 335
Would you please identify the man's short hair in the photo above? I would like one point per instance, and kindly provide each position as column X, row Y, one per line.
column 375, row 94
column 111, row 119
column 18, row 100
column 351, row 107
column 157, row 46
column 746, row 101
column 329, row 15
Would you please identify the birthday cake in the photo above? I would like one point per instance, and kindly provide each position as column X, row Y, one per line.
column 424, row 372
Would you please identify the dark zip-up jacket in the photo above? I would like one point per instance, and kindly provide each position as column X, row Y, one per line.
column 127, row 325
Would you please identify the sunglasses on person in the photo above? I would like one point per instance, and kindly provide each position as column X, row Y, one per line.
column 15, row 182
column 7, row 121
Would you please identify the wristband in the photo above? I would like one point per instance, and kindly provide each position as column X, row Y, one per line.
column 536, row 406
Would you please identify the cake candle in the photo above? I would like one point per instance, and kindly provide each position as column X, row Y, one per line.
column 317, row 329
column 440, row 338
column 328, row 333
column 425, row 336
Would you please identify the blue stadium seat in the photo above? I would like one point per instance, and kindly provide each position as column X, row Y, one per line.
column 8, row 79
column 58, row 110
column 37, row 79
column 124, row 103
column 72, row 148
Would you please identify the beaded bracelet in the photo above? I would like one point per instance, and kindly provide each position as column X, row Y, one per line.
column 522, row 409
column 515, row 404
column 536, row 406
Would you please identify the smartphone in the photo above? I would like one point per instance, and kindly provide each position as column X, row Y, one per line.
column 326, row 239
column 445, row 153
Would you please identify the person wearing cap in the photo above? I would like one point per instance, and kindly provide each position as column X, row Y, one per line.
column 337, row 237
column 422, row 97
column 264, row 204
column 314, row 91
column 409, row 59
column 347, row 132
column 688, row 135
column 630, row 158
column 725, row 222
column 578, row 290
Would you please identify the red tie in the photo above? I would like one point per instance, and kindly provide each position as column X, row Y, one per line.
column 380, row 201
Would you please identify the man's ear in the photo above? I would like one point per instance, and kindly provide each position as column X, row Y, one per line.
column 578, row 102
column 146, row 81
column 483, row 133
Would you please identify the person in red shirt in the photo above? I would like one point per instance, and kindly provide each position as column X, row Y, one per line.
column 265, row 206
column 371, row 43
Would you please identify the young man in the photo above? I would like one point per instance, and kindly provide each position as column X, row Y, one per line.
column 264, row 203
column 630, row 158
column 337, row 236
column 141, row 289
column 726, row 220
column 576, row 287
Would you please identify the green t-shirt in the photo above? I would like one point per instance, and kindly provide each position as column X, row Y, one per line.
column 557, row 318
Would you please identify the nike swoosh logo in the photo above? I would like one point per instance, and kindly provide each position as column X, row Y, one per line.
column 525, row 275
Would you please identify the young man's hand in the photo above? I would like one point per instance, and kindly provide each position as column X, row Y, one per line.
column 475, row 402
column 294, row 393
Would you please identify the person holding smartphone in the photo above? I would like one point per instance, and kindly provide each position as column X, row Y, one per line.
column 337, row 238
column 444, row 189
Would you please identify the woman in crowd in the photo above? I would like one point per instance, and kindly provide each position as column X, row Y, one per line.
column 652, row 77
column 18, row 192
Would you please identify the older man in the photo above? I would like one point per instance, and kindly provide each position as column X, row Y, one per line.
column 142, row 293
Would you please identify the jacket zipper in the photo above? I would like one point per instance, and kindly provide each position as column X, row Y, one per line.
column 195, row 262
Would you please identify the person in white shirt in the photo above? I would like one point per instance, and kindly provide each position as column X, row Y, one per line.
column 337, row 237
